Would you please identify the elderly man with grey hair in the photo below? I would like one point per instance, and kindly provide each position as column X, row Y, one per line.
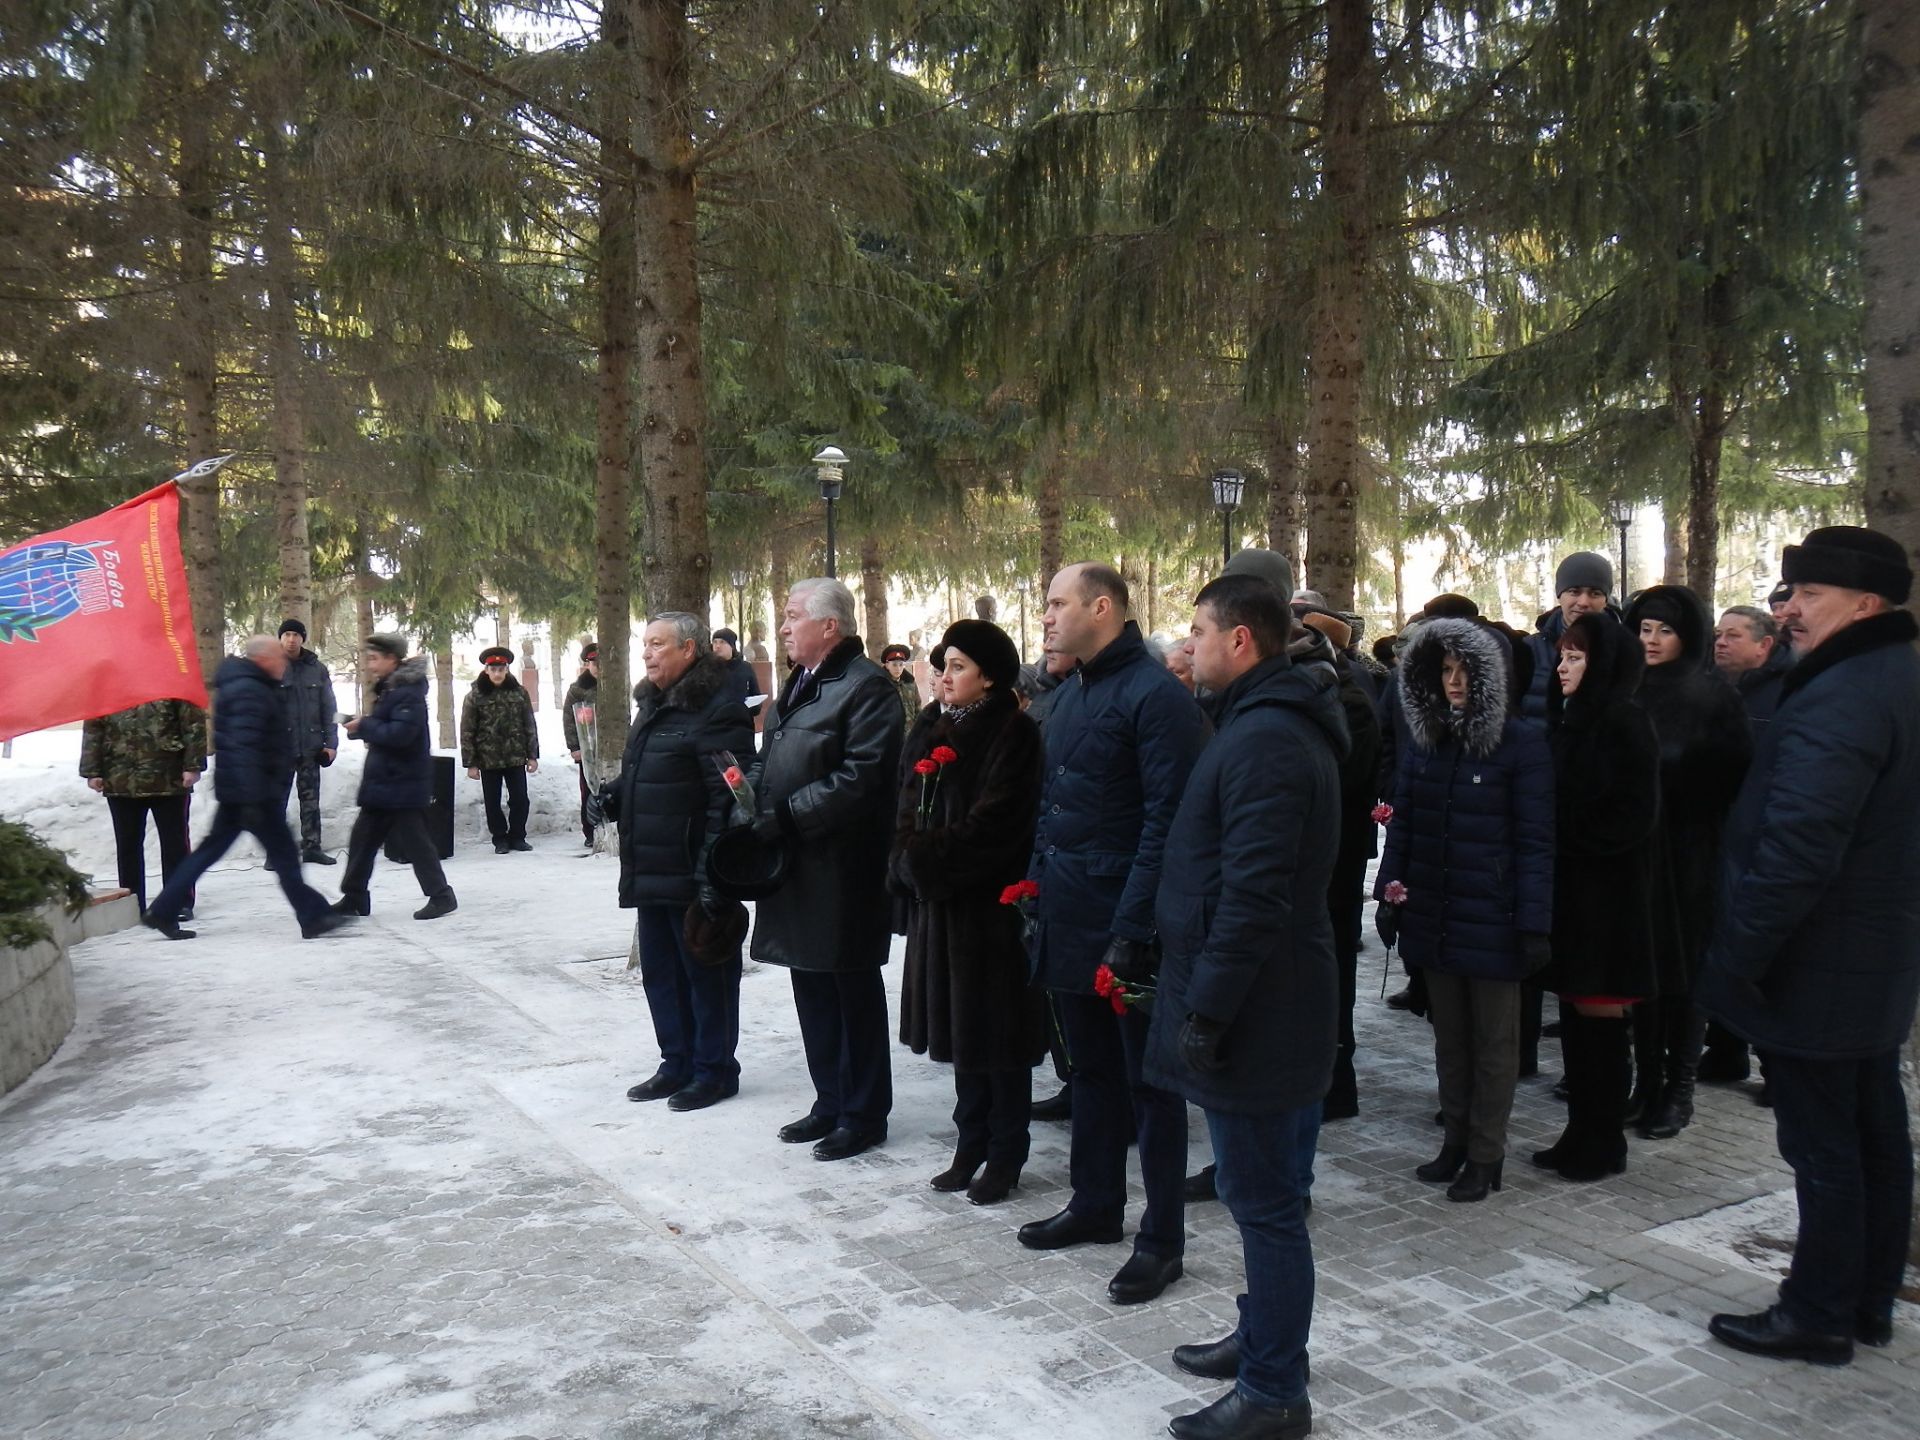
column 670, row 801
column 826, row 783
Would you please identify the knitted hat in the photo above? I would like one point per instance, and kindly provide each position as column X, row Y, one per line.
column 984, row 643
column 294, row 625
column 1267, row 565
column 388, row 643
column 728, row 636
column 1584, row 570
column 496, row 652
column 898, row 652
column 1853, row 558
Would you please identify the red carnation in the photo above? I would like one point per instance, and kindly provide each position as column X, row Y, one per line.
column 943, row 755
column 1118, row 999
column 1395, row 893
column 1018, row 891
column 924, row 767
column 1104, row 981
column 1382, row 813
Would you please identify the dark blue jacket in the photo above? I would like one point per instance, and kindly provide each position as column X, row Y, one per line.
column 399, row 773
column 1245, row 933
column 253, row 750
column 1121, row 738
column 1544, row 644
column 1472, row 833
column 1816, row 942
column 1760, row 687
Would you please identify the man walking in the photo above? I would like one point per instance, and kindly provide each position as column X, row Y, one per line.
column 1815, row 954
column 1244, row 1022
column 397, row 784
column 253, row 762
column 1121, row 739
column 310, row 719
column 500, row 747
column 825, row 785
column 146, row 760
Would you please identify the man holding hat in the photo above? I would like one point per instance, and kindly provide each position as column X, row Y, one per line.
column 310, row 712
column 1583, row 585
column 397, row 784
column 583, row 691
column 1815, row 953
column 896, row 658
column 499, row 746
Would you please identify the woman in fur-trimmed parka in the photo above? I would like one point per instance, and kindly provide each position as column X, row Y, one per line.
column 1471, row 840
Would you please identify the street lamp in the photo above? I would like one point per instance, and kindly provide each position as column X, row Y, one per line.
column 831, row 463
column 1228, row 487
column 739, row 579
column 1621, row 513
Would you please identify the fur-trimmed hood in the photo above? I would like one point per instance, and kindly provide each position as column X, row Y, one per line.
column 703, row 680
column 1424, row 701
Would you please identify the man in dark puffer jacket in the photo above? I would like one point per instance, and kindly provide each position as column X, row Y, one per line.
column 670, row 801
column 253, row 761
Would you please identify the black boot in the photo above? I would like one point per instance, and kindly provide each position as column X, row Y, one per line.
column 1599, row 1096
column 959, row 1174
column 1573, row 1037
column 438, row 905
column 1475, row 1180
column 1443, row 1166
column 1683, row 1066
column 1649, row 1062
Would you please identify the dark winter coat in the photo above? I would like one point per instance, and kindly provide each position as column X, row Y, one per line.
column 1606, row 768
column 1242, row 906
column 146, row 749
column 496, row 726
column 1816, row 948
column 582, row 691
column 670, row 799
column 829, row 773
column 1122, row 736
column 966, row 995
column 741, row 682
column 253, row 752
column 1359, row 773
column 1473, row 811
column 399, row 770
column 1706, row 745
column 310, row 707
column 1544, row 647
column 1760, row 687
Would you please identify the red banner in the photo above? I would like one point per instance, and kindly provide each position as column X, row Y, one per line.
column 94, row 618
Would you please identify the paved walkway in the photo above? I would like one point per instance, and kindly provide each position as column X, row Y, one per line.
column 387, row 1185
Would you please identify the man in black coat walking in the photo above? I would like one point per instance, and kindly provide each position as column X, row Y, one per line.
column 1121, row 738
column 1244, row 1021
column 670, row 801
column 824, row 787
column 253, row 761
column 1815, row 953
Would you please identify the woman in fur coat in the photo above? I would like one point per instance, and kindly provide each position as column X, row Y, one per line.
column 1471, row 842
column 963, row 834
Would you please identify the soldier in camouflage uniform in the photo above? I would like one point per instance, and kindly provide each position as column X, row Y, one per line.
column 584, row 691
column 145, row 761
column 500, row 746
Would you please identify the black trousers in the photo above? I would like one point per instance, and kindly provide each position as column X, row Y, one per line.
column 511, row 824
column 268, row 825
column 130, row 814
column 1346, row 904
column 586, row 825
column 370, row 830
column 993, row 1110
column 843, row 1027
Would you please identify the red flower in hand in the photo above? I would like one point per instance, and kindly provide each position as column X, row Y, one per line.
column 731, row 775
column 1104, row 981
column 924, row 767
column 1395, row 893
column 1020, row 890
column 943, row 755
column 1382, row 813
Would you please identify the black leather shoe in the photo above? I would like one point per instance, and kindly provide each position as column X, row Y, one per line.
column 994, row 1184
column 1070, row 1227
column 702, row 1093
column 360, row 904
column 169, row 928
column 1874, row 1330
column 1443, row 1166
column 519, row 845
column 500, row 847
column 1771, row 1334
column 441, row 904
column 1201, row 1187
column 325, row 924
column 1218, row 1361
column 806, row 1128
column 843, row 1143
column 1234, row 1417
column 1401, row 999
column 317, row 857
column 1476, row 1178
column 1060, row 1107
column 959, row 1174
column 657, row 1086
column 1143, row 1278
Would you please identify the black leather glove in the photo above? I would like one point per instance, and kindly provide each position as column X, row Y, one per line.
column 603, row 806
column 1535, row 951
column 1386, row 922
column 1200, row 1042
column 1132, row 961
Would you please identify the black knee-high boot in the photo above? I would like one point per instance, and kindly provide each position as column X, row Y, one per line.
column 1686, row 1030
column 1573, row 1057
column 1597, row 1096
column 1648, row 1027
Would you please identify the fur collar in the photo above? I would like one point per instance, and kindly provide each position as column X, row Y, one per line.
column 1890, row 627
column 411, row 671
column 704, row 679
column 484, row 687
column 1429, row 718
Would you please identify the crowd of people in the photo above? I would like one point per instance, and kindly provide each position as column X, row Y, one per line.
column 1148, row 863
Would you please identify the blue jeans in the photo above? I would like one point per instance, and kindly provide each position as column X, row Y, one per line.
column 1256, row 1159
column 268, row 825
column 696, row 1008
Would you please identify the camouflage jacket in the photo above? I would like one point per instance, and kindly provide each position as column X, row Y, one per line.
column 581, row 692
column 145, row 750
column 496, row 726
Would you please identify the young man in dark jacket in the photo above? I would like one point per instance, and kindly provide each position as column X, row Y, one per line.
column 1582, row 585
column 1121, row 738
column 310, row 719
column 397, row 784
column 500, row 746
column 670, row 801
column 1815, row 951
column 1243, row 1023
column 253, row 761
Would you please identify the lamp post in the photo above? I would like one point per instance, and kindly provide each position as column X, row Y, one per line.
column 1621, row 513
column 831, row 463
column 739, row 579
column 1228, row 487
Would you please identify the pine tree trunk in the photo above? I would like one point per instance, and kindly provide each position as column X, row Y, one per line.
column 443, row 696
column 1673, row 525
column 1708, row 431
column 1399, row 556
column 1284, row 515
column 1153, row 594
column 503, row 622
column 364, row 584
column 558, row 650
column 1890, row 238
column 613, row 467
column 873, row 592
column 295, row 551
column 195, row 183
column 1337, row 365
column 1053, row 524
column 673, row 395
